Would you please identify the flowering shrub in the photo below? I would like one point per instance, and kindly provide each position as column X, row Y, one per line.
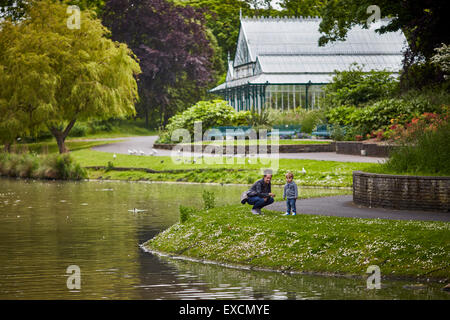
column 408, row 132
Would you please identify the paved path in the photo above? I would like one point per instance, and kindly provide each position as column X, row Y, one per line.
column 146, row 144
column 343, row 206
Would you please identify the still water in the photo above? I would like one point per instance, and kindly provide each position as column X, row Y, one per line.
column 47, row 226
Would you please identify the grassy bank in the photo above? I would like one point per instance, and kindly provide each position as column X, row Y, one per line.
column 49, row 147
column 307, row 243
column 318, row 173
column 53, row 166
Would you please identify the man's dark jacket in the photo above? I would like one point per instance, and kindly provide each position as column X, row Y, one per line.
column 260, row 189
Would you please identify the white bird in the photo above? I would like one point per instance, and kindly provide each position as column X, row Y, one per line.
column 130, row 151
column 154, row 151
column 141, row 152
column 114, row 156
column 303, row 171
column 136, row 210
column 150, row 153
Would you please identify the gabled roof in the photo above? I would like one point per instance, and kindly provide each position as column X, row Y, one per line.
column 281, row 36
column 286, row 51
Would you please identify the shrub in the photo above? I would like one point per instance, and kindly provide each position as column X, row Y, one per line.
column 426, row 152
column 308, row 119
column 355, row 87
column 210, row 113
column 79, row 129
column 185, row 213
column 337, row 133
column 109, row 166
column 44, row 167
column 209, row 200
column 381, row 114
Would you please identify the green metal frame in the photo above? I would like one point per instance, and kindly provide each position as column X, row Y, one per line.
column 257, row 93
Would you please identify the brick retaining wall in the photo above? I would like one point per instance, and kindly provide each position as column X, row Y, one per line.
column 296, row 148
column 401, row 192
column 355, row 147
column 340, row 147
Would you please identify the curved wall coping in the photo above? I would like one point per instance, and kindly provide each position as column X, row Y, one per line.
column 384, row 175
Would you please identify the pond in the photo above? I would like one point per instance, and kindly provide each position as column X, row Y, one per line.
column 47, row 226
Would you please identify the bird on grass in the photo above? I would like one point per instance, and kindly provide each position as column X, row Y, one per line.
column 303, row 171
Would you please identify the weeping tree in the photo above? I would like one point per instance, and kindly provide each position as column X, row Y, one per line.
column 54, row 73
column 171, row 43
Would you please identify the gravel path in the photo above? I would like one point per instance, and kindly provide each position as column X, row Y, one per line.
column 146, row 144
column 343, row 206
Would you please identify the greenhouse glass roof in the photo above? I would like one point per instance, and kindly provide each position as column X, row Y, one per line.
column 286, row 50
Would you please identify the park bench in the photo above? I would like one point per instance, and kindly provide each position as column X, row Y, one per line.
column 233, row 131
column 286, row 130
column 322, row 131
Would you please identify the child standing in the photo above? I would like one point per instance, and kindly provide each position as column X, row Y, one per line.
column 290, row 193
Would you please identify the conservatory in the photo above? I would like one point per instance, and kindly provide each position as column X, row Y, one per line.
column 279, row 64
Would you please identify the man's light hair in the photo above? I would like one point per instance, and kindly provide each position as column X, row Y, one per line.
column 289, row 175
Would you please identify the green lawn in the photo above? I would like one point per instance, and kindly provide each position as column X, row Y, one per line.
column 318, row 173
column 310, row 243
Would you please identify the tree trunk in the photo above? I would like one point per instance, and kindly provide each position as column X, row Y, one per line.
column 146, row 117
column 61, row 136
column 60, row 140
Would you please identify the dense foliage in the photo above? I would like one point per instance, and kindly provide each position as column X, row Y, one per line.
column 308, row 119
column 171, row 43
column 425, row 147
column 210, row 113
column 52, row 76
column 53, row 166
column 379, row 115
column 355, row 87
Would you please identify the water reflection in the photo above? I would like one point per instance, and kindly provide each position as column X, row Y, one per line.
column 47, row 226
column 215, row 282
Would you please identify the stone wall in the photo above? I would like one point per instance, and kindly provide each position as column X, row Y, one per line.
column 355, row 147
column 401, row 192
column 297, row 148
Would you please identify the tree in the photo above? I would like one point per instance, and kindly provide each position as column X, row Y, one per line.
column 170, row 41
column 222, row 18
column 16, row 9
column 53, row 75
column 302, row 8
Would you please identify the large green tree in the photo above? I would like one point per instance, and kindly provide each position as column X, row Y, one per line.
column 16, row 9
column 302, row 8
column 54, row 75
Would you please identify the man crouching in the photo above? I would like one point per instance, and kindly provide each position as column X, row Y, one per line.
column 260, row 194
